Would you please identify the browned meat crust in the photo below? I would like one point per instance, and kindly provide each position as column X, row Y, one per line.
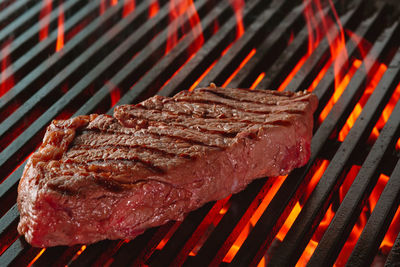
column 100, row 177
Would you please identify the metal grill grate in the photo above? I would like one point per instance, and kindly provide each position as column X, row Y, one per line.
column 114, row 52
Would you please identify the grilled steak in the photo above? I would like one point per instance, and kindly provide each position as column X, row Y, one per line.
column 101, row 177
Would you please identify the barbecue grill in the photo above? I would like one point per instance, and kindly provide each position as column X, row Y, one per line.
column 66, row 58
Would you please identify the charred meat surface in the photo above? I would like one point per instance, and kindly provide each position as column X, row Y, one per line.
column 101, row 177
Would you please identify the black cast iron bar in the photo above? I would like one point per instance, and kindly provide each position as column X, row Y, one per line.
column 13, row 10
column 18, row 25
column 394, row 255
column 23, row 65
column 374, row 231
column 350, row 208
column 21, row 43
column 311, row 214
column 212, row 49
column 277, row 211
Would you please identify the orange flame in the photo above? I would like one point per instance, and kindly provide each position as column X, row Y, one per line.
column 238, row 6
column 6, row 81
column 129, row 6
column 44, row 21
column 154, row 8
column 179, row 9
column 60, row 33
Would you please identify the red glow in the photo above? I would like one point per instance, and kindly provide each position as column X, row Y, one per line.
column 245, row 60
column 339, row 89
column 129, row 6
column 254, row 218
column 114, row 2
column 37, row 257
column 115, row 93
column 102, row 6
column 60, row 33
column 6, row 76
column 154, row 8
column 387, row 111
column 238, row 6
column 44, row 17
column 178, row 10
column 361, row 103
column 290, row 76
column 258, row 80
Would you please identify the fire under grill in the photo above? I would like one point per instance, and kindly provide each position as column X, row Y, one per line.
column 66, row 58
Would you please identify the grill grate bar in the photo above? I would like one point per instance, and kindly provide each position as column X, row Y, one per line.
column 12, row 11
column 351, row 206
column 379, row 221
column 18, row 25
column 311, row 214
column 394, row 255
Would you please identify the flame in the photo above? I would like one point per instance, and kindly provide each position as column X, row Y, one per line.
column 44, row 19
column 245, row 60
column 37, row 257
column 6, row 76
column 154, row 8
column 129, row 6
column 179, row 9
column 257, row 80
column 238, row 6
column 60, row 33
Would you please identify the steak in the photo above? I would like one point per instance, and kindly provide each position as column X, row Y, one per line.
column 111, row 177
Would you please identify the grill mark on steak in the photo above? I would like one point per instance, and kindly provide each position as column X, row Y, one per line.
column 127, row 146
column 201, row 101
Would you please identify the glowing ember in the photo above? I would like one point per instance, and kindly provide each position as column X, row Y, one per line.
column 363, row 100
column 385, row 116
column 44, row 17
column 60, row 33
column 153, row 9
column 258, row 80
column 37, row 257
column 178, row 10
column 129, row 6
column 6, row 76
column 238, row 6
column 339, row 89
column 102, row 6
